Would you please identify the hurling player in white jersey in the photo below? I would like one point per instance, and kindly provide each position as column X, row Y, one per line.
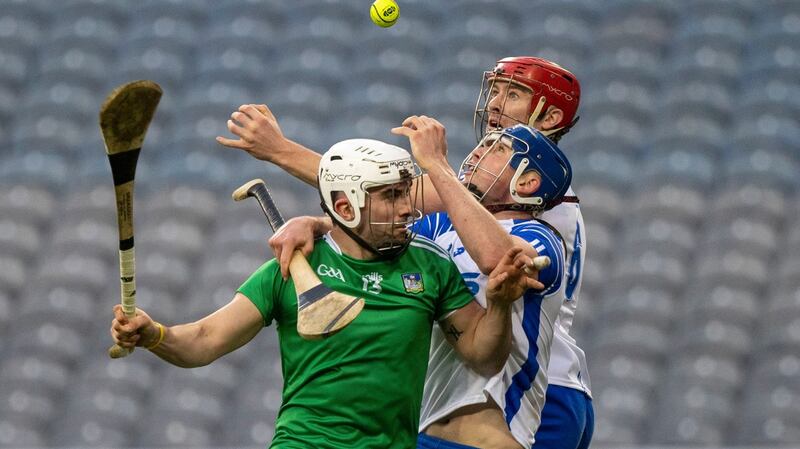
column 512, row 175
column 545, row 95
column 527, row 90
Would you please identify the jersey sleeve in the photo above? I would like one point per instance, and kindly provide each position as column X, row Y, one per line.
column 432, row 225
column 262, row 288
column 454, row 293
column 546, row 243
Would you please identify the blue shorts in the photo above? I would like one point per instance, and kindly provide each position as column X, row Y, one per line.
column 429, row 442
column 567, row 420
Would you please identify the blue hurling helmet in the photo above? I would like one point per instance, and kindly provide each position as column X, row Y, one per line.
column 531, row 151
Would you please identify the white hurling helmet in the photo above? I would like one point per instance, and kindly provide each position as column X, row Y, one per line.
column 355, row 165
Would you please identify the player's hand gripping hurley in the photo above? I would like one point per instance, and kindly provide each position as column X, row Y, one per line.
column 320, row 311
column 124, row 118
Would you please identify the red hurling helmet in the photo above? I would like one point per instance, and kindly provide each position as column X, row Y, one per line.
column 550, row 83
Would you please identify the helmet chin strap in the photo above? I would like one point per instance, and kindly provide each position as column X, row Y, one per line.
column 538, row 110
column 516, row 207
column 533, row 208
column 550, row 131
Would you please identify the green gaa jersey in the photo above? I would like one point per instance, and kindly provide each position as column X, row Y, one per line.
column 362, row 387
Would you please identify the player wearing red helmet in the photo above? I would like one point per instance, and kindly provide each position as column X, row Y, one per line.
column 528, row 90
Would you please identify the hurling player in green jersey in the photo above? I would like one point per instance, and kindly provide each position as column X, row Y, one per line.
column 363, row 386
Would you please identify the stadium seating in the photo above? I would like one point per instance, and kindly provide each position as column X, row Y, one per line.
column 14, row 434
column 97, row 400
column 92, row 430
column 176, row 429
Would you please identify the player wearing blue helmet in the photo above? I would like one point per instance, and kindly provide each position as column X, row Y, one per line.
column 531, row 152
column 492, row 204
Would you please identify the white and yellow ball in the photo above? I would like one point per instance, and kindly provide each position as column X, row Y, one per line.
column 384, row 13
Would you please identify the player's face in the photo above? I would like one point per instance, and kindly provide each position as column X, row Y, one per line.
column 388, row 211
column 508, row 104
column 487, row 172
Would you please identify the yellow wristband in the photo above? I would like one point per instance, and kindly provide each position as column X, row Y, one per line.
column 160, row 337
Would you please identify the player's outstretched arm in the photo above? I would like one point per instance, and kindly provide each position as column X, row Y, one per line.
column 260, row 136
column 193, row 344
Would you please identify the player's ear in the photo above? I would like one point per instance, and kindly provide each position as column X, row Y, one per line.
column 528, row 183
column 342, row 206
column 551, row 119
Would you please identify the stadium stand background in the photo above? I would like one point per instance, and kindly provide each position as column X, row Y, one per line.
column 685, row 160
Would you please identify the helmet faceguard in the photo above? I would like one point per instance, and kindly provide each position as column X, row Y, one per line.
column 358, row 168
column 549, row 83
column 383, row 233
column 531, row 150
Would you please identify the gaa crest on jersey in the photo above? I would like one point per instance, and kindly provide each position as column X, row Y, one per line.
column 331, row 272
column 413, row 282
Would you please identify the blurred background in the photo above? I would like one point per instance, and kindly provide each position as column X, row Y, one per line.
column 685, row 161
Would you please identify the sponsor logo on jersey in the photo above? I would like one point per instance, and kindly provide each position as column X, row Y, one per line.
column 413, row 282
column 330, row 272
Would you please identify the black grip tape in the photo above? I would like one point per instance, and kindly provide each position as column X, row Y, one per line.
column 126, row 244
column 123, row 166
column 267, row 205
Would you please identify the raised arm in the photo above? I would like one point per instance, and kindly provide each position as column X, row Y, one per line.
column 482, row 337
column 260, row 136
column 483, row 237
column 193, row 344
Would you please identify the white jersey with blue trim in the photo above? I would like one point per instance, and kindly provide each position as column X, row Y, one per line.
column 519, row 389
column 568, row 366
